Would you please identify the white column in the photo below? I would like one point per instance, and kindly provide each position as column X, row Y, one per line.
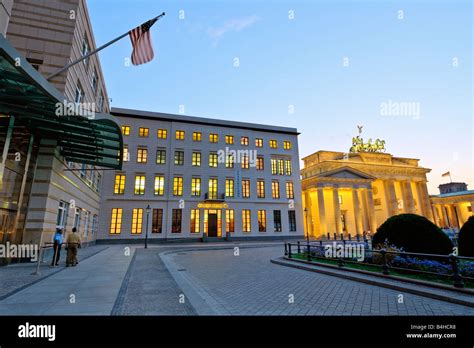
column 390, row 198
column 408, row 203
column 337, row 210
column 322, row 212
column 309, row 215
column 425, row 200
column 357, row 212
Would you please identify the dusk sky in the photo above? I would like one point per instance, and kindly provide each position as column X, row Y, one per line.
column 335, row 64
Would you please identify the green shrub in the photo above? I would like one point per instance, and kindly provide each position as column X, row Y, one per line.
column 413, row 233
column 466, row 238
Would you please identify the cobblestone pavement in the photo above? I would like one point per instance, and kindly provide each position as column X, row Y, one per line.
column 248, row 284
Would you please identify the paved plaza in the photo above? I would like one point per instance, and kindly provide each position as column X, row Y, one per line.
column 203, row 279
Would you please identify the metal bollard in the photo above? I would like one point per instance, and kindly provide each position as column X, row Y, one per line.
column 40, row 258
column 298, row 247
column 286, row 249
column 289, row 251
column 457, row 279
column 309, row 253
column 384, row 260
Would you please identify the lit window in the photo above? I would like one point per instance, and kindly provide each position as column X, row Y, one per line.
column 140, row 184
column 246, row 223
column 126, row 154
column 287, row 145
column 229, row 221
column 262, row 221
column 277, row 220
column 281, row 167
column 176, row 218
column 260, row 163
column 179, row 135
column 244, row 164
column 195, row 221
column 142, row 155
column 177, row 186
column 289, row 190
column 213, row 188
column 258, row 142
column 229, row 139
column 292, row 220
column 143, row 132
column 137, row 220
column 213, row 138
column 229, row 187
column 125, row 130
column 244, row 141
column 260, row 188
column 178, row 158
column 157, row 221
column 159, row 185
column 229, row 161
column 275, row 189
column 213, row 160
column 162, row 133
column 116, row 221
column 246, row 188
column 195, row 186
column 274, row 166
column 119, row 186
column 196, row 161
column 197, row 136
column 273, row 144
column 160, row 156
column 288, row 168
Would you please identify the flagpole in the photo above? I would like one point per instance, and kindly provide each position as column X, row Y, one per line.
column 95, row 51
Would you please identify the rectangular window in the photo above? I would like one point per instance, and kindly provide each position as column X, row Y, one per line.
column 126, row 154
column 177, row 186
column 195, row 186
column 213, row 160
column 275, row 189
column 195, row 221
column 277, row 221
column 246, row 222
column 260, row 163
column 116, row 221
column 292, row 220
column 94, row 80
column 290, row 194
column 197, row 136
column 258, row 142
column 140, row 184
column 244, row 164
column 274, row 166
column 119, row 186
column 288, row 168
column 142, row 155
column 229, row 161
column 157, row 221
column 229, row 221
column 162, row 133
column 143, row 132
column 176, row 217
column 213, row 188
column 229, row 187
column 62, row 214
column 179, row 135
column 160, row 156
column 287, row 145
column 77, row 218
column 273, row 144
column 281, row 167
column 229, row 139
column 244, row 141
column 196, row 161
column 125, row 130
column 79, row 97
column 246, row 188
column 213, row 138
column 262, row 221
column 159, row 185
column 137, row 220
column 178, row 158
column 260, row 188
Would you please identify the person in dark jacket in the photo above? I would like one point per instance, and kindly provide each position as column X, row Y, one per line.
column 58, row 240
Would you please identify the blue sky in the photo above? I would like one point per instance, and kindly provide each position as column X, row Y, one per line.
column 422, row 55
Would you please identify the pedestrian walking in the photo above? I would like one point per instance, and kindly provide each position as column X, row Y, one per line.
column 73, row 243
column 58, row 241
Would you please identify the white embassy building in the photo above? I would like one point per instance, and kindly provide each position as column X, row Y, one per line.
column 198, row 178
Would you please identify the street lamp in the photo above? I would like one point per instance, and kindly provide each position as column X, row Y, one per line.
column 146, row 230
column 306, row 223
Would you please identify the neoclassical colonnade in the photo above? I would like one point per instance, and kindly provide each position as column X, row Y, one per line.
column 454, row 212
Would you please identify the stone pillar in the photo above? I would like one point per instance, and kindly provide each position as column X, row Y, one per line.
column 472, row 208
column 371, row 210
column 408, row 202
column 457, row 211
column 357, row 211
column 322, row 212
column 365, row 211
column 419, row 198
column 446, row 220
column 337, row 210
column 309, row 216
column 390, row 197
column 425, row 200
column 436, row 216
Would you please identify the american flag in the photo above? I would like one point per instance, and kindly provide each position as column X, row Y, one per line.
column 141, row 42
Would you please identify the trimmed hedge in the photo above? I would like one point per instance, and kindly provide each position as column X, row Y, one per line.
column 413, row 233
column 466, row 238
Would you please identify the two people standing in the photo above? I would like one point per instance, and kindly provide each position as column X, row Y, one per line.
column 73, row 242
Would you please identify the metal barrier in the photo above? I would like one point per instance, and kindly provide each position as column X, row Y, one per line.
column 47, row 245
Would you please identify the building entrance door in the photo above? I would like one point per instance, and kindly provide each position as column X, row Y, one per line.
column 212, row 225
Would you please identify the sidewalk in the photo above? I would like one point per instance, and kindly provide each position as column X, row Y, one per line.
column 90, row 288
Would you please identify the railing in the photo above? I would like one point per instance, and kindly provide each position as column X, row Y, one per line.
column 47, row 245
column 309, row 250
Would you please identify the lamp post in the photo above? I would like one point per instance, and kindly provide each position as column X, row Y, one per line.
column 307, row 232
column 146, row 230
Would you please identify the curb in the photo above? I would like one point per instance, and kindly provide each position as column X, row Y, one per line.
column 303, row 266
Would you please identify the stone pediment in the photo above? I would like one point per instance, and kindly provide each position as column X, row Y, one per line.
column 346, row 173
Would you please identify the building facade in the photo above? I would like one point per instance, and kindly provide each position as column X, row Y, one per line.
column 5, row 13
column 453, row 206
column 201, row 178
column 354, row 193
column 50, row 187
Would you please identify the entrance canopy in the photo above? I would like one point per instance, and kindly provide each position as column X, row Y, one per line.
column 35, row 103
